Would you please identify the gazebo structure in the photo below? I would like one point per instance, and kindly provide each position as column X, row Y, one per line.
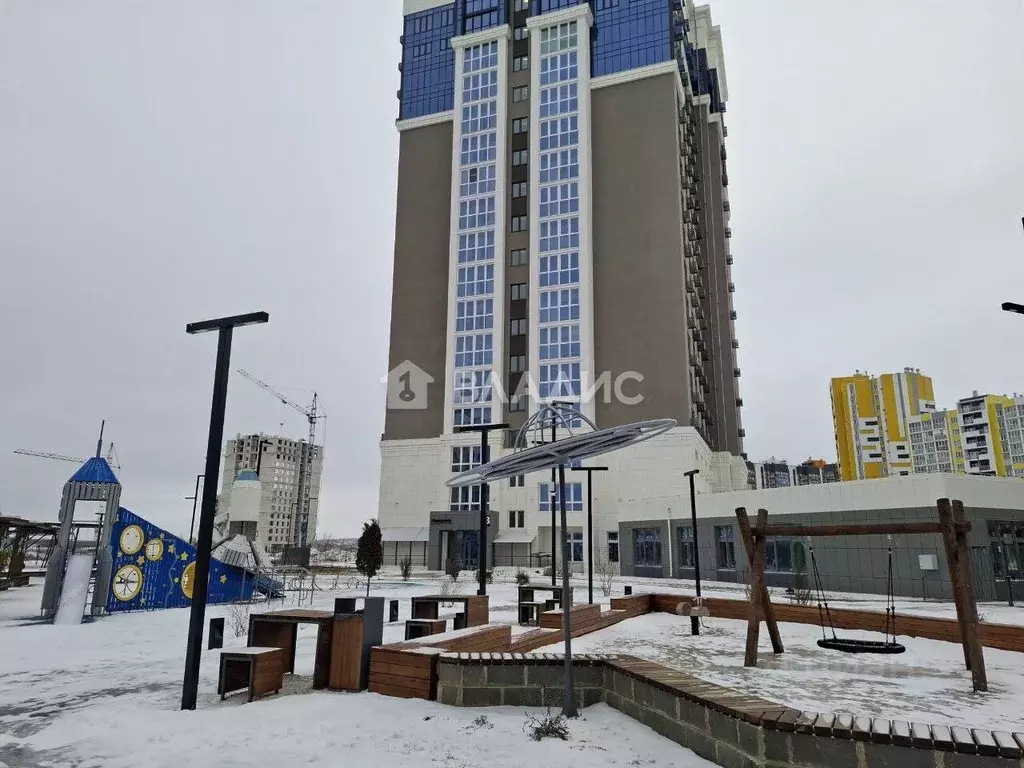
column 94, row 481
column 18, row 536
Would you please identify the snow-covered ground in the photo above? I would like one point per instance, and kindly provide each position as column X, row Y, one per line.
column 927, row 684
column 107, row 693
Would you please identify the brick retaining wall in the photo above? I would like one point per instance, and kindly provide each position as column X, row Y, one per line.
column 732, row 729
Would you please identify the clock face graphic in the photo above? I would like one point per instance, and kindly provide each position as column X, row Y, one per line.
column 188, row 580
column 154, row 549
column 127, row 582
column 132, row 539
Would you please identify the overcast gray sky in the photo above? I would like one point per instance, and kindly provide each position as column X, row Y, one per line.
column 164, row 162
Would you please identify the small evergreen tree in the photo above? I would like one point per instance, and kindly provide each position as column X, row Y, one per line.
column 369, row 552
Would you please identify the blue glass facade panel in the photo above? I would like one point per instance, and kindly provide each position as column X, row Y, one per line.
column 630, row 33
column 627, row 34
column 544, row 6
column 428, row 62
column 474, row 15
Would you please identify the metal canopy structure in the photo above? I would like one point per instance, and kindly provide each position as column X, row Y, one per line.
column 571, row 449
column 558, row 453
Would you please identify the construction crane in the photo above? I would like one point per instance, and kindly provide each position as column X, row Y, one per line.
column 314, row 413
column 111, row 455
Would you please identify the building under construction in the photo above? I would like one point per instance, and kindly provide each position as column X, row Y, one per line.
column 262, row 481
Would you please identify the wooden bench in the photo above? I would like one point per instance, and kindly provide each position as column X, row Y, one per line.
column 527, row 597
column 529, row 612
column 415, row 628
column 475, row 608
column 258, row 669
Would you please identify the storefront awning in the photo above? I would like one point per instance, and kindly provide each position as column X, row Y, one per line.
column 514, row 537
column 405, row 534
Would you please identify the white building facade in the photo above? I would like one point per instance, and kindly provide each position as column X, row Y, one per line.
column 260, row 489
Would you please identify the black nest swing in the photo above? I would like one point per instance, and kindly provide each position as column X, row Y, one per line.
column 849, row 644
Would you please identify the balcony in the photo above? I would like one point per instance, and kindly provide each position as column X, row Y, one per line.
column 732, row 314
column 732, row 287
column 728, row 259
column 726, row 206
column 739, row 402
column 736, row 373
column 735, row 344
column 728, row 231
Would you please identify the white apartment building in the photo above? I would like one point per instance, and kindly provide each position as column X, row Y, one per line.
column 260, row 489
column 935, row 444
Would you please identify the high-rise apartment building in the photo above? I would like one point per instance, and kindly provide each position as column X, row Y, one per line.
column 871, row 417
column 984, row 443
column 779, row 474
column 935, row 444
column 562, row 222
column 260, row 489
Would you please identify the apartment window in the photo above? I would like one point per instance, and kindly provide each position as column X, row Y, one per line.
column 520, row 63
column 520, row 33
column 517, row 403
column 519, row 257
column 726, row 546
column 686, row 554
column 516, row 518
column 517, row 327
column 519, row 189
column 521, row 5
column 521, row 125
column 613, row 546
column 521, row 157
column 516, row 481
column 521, row 93
column 647, row 547
column 517, row 363
column 573, row 497
column 520, row 291
column 576, row 546
column 778, row 555
column 520, row 223
column 465, row 457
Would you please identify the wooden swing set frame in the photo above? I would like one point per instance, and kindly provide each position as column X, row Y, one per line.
column 951, row 524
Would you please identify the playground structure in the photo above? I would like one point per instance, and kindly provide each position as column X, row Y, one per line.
column 953, row 527
column 123, row 562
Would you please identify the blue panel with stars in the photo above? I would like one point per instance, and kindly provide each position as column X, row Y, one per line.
column 155, row 569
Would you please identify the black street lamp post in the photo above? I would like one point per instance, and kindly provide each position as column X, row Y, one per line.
column 194, row 650
column 590, row 527
column 694, row 620
column 484, row 430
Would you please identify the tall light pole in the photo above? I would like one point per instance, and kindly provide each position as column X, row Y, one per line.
column 194, row 649
column 590, row 527
column 694, row 620
column 484, row 430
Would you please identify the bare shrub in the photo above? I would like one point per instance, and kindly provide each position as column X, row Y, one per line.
column 547, row 726
column 450, row 586
column 522, row 578
column 405, row 567
column 238, row 619
column 606, row 573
